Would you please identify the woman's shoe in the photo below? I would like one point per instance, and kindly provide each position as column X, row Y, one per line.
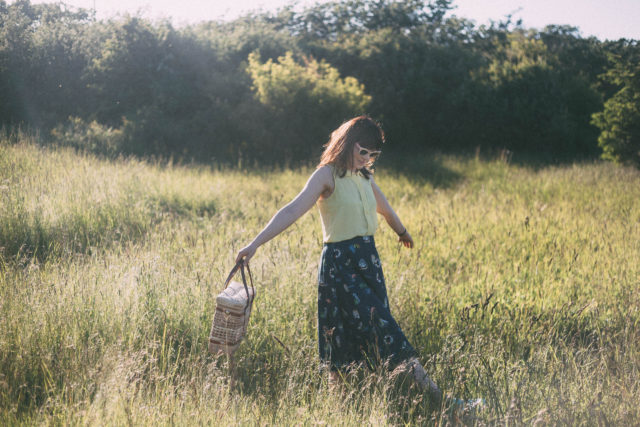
column 466, row 405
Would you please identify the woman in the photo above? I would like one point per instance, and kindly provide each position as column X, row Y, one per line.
column 354, row 321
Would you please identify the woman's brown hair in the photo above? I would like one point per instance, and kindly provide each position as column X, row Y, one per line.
column 339, row 150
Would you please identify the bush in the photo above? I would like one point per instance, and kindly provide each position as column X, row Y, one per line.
column 303, row 103
column 620, row 125
column 620, row 121
column 92, row 137
column 530, row 104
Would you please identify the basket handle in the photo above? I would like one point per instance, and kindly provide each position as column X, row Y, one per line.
column 244, row 280
column 240, row 266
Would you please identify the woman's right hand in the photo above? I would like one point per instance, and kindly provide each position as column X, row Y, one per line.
column 246, row 253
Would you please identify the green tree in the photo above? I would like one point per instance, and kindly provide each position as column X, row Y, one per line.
column 303, row 102
column 536, row 100
column 41, row 62
column 620, row 121
column 122, row 76
column 336, row 19
column 413, row 61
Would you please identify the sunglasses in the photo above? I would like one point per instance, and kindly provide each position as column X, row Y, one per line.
column 363, row 152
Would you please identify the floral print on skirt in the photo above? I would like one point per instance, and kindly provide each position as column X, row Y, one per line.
column 354, row 321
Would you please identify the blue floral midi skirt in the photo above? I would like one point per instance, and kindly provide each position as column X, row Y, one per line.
column 354, row 321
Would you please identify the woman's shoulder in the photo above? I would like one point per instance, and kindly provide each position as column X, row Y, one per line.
column 325, row 170
column 325, row 175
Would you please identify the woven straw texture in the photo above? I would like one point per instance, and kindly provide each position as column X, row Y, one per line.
column 231, row 318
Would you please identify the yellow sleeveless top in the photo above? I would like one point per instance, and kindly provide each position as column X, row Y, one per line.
column 350, row 210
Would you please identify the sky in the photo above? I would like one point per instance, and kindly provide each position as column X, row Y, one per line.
column 605, row 19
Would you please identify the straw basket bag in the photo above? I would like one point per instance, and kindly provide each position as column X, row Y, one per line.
column 233, row 307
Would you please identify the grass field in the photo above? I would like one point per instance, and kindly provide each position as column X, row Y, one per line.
column 522, row 289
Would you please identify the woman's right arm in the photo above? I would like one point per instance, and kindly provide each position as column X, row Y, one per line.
column 321, row 181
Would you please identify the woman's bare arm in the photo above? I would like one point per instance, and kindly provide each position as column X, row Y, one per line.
column 320, row 182
column 384, row 208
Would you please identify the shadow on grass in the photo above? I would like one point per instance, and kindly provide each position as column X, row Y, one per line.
column 530, row 159
column 30, row 239
column 429, row 166
column 26, row 236
column 421, row 168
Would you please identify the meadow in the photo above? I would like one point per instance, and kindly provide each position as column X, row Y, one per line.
column 522, row 289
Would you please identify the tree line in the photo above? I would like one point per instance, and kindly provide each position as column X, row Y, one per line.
column 268, row 87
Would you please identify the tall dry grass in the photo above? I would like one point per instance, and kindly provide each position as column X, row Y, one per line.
column 522, row 289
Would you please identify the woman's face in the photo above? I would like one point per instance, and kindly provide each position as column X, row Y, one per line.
column 363, row 156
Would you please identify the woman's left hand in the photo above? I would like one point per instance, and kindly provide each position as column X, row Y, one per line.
column 406, row 240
